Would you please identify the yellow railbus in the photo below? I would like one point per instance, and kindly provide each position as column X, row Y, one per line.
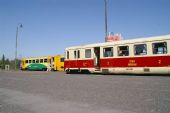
column 57, row 63
column 54, row 63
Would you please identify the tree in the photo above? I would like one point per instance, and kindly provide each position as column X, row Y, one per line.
column 7, row 61
column 3, row 62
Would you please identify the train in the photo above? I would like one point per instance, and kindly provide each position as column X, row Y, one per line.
column 148, row 55
column 53, row 63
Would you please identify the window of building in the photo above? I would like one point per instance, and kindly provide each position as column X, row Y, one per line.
column 108, row 52
column 88, row 53
column 29, row 61
column 159, row 48
column 45, row 60
column 37, row 60
column 67, row 54
column 140, row 49
column 61, row 59
column 26, row 61
column 123, row 51
column 41, row 60
column 33, row 61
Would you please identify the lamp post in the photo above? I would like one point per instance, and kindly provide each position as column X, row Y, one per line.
column 16, row 44
column 105, row 1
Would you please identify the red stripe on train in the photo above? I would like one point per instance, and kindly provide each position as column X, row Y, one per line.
column 152, row 61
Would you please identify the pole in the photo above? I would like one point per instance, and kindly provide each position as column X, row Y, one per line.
column 105, row 19
column 16, row 47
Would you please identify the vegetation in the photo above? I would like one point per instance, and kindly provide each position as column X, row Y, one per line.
column 5, row 61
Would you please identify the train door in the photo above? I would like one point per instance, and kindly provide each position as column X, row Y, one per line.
column 76, row 57
column 49, row 63
column 52, row 64
column 97, row 57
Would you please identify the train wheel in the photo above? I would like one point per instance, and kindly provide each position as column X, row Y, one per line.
column 67, row 71
column 44, row 69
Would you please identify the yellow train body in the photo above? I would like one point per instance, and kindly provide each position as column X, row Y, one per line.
column 58, row 63
column 54, row 63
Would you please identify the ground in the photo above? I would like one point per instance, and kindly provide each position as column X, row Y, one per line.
column 57, row 92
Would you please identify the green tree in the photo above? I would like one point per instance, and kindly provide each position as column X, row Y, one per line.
column 0, row 64
column 7, row 61
column 12, row 64
column 3, row 62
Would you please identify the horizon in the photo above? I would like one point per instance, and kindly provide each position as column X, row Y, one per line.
column 50, row 26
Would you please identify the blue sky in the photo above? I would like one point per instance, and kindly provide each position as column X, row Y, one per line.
column 49, row 26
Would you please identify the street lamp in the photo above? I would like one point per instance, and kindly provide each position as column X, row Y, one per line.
column 16, row 45
column 105, row 1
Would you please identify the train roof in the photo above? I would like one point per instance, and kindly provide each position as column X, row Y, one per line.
column 41, row 57
column 136, row 40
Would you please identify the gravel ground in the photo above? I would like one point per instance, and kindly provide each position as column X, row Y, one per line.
column 57, row 92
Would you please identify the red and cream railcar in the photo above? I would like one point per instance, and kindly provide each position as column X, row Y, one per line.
column 138, row 56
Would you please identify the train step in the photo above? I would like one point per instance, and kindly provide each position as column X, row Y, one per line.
column 97, row 69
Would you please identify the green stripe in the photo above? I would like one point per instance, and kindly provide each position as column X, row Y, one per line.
column 36, row 67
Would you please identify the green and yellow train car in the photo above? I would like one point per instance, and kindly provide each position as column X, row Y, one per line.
column 55, row 63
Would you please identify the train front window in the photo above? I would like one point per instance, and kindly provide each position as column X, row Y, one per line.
column 67, row 54
column 88, row 53
column 78, row 54
column 123, row 51
column 140, row 49
column 22, row 62
column 61, row 59
column 75, row 55
column 159, row 48
column 26, row 61
column 108, row 52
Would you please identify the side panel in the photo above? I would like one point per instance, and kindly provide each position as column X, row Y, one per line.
column 79, row 63
column 22, row 65
column 58, row 64
column 124, row 64
column 153, row 61
column 36, row 66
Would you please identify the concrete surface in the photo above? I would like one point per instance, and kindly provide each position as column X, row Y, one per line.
column 57, row 92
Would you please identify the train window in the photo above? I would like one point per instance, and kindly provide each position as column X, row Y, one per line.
column 123, row 51
column 75, row 55
column 140, row 49
column 45, row 60
column 88, row 53
column 33, row 61
column 29, row 61
column 108, row 52
column 41, row 60
column 159, row 48
column 37, row 60
column 61, row 59
column 67, row 54
column 26, row 61
column 78, row 54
